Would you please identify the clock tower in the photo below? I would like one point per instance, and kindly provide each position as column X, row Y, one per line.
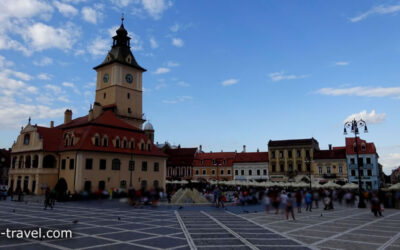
column 119, row 81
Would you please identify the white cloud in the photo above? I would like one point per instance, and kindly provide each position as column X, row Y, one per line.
column 20, row 75
column 63, row 99
column 172, row 64
column 390, row 160
column 72, row 86
column 382, row 10
column 177, row 42
column 155, row 8
column 362, row 91
column 279, row 76
column 183, row 84
column 343, row 63
column 178, row 99
column 369, row 118
column 229, row 82
column 162, row 70
column 153, row 43
column 99, row 46
column 44, row 76
column 121, row 3
column 41, row 36
column 66, row 9
column 160, row 86
column 55, row 89
column 175, row 27
column 44, row 61
column 90, row 15
column 23, row 9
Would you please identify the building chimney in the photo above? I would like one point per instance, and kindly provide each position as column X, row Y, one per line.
column 330, row 146
column 244, row 148
column 67, row 116
column 258, row 150
column 51, row 124
column 200, row 148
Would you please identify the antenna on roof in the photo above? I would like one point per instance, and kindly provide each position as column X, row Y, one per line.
column 122, row 18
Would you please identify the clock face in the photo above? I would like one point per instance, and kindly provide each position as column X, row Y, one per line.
column 129, row 78
column 105, row 78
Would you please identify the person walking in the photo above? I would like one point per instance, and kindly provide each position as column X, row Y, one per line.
column 308, row 201
column 267, row 201
column 376, row 205
column 299, row 198
column 47, row 200
column 289, row 206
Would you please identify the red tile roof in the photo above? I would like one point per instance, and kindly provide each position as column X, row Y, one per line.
column 221, row 158
column 251, row 157
column 106, row 124
column 180, row 156
column 330, row 154
column 351, row 142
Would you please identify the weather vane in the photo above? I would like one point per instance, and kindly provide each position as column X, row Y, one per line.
column 122, row 18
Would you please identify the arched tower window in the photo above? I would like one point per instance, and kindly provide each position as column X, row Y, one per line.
column 27, row 139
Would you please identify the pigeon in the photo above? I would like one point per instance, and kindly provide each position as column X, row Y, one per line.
column 75, row 221
column 321, row 215
column 180, row 207
column 119, row 218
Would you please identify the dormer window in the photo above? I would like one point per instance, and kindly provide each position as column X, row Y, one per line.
column 105, row 142
column 72, row 141
column 96, row 140
column 148, row 147
column 66, row 141
column 363, row 147
column 27, row 139
column 125, row 143
column 214, row 162
column 117, row 145
column 132, row 144
column 142, row 146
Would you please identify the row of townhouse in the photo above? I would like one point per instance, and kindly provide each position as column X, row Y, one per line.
column 286, row 160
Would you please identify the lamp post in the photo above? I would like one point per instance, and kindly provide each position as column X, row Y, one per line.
column 131, row 167
column 353, row 126
column 308, row 164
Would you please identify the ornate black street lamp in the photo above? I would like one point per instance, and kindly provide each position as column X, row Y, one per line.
column 353, row 126
column 308, row 164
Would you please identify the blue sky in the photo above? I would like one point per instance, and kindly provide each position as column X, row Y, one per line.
column 220, row 73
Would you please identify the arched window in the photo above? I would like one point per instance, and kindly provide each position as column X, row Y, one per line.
column 105, row 142
column 35, row 163
column 132, row 144
column 72, row 141
column 28, row 161
column 143, row 184
column 149, row 147
column 125, row 144
column 27, row 139
column 21, row 162
column 117, row 145
column 14, row 160
column 122, row 184
column 96, row 141
column 116, row 164
column 363, row 147
column 66, row 141
column 142, row 146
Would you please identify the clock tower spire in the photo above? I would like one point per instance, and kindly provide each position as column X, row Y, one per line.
column 119, row 80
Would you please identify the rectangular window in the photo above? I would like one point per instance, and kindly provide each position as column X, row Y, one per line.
column 328, row 170
column 353, row 172
column 273, row 168
column 273, row 154
column 71, row 163
column 222, row 172
column 204, row 172
column 131, row 165
column 282, row 168
column 290, row 153
column 258, row 172
column 236, row 172
column 320, row 170
column 264, row 172
column 298, row 152
column 89, row 164
column 144, row 165
column 214, row 162
column 280, row 154
column 213, row 172
column 250, row 172
column 299, row 167
column 156, row 167
column 340, row 169
column 102, row 164
column 242, row 172
column 63, row 163
column 352, row 161
column 369, row 172
column 290, row 168
column 197, row 172
column 229, row 172
column 368, row 160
